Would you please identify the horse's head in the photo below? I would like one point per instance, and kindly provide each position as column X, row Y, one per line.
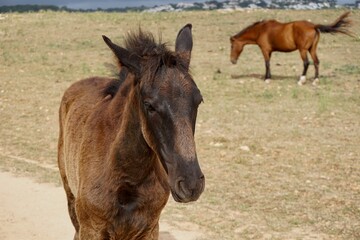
column 236, row 49
column 168, row 103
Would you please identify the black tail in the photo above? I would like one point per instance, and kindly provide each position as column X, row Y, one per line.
column 339, row 26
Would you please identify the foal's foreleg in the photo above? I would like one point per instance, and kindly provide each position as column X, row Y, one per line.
column 90, row 227
column 72, row 212
column 69, row 195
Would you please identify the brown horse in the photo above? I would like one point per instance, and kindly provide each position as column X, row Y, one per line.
column 271, row 36
column 126, row 143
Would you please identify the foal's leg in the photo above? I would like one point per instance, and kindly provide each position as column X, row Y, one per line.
column 91, row 227
column 267, row 56
column 71, row 209
column 303, row 54
column 69, row 195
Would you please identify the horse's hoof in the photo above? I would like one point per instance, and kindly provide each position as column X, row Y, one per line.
column 299, row 83
column 302, row 80
column 316, row 82
column 268, row 80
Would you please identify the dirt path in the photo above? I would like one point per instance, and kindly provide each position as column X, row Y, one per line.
column 29, row 210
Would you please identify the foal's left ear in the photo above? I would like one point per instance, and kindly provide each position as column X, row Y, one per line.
column 184, row 43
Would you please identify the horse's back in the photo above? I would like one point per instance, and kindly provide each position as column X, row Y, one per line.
column 274, row 25
column 277, row 36
column 305, row 34
column 287, row 37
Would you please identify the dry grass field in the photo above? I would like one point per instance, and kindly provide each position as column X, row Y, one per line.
column 281, row 161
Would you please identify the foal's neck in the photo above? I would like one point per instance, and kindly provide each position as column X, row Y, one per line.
column 130, row 153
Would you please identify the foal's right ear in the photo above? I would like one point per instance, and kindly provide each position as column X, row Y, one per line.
column 184, row 43
column 125, row 58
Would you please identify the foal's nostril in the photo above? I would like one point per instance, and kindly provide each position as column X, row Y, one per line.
column 182, row 189
column 190, row 190
column 202, row 182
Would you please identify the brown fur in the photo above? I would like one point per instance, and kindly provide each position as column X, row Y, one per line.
column 271, row 35
column 116, row 177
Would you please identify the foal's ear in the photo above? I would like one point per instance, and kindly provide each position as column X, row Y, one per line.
column 184, row 43
column 125, row 58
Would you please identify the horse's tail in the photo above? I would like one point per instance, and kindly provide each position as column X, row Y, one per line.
column 339, row 26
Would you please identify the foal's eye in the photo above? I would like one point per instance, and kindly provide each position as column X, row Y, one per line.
column 149, row 107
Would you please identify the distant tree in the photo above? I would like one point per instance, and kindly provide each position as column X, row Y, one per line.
column 27, row 8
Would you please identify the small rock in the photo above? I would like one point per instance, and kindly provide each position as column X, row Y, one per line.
column 245, row 148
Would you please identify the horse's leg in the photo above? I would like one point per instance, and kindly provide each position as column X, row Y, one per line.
column 303, row 54
column 316, row 61
column 267, row 56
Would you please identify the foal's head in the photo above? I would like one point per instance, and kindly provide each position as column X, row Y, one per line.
column 168, row 102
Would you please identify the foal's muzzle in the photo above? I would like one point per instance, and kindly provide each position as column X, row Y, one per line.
column 188, row 190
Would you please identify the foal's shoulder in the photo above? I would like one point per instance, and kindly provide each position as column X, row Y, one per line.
column 86, row 87
column 89, row 83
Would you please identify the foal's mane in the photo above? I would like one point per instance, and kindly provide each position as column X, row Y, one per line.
column 144, row 45
column 155, row 54
column 248, row 28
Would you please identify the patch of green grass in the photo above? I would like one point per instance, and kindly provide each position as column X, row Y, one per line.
column 349, row 69
column 295, row 93
column 267, row 94
column 323, row 103
column 85, row 68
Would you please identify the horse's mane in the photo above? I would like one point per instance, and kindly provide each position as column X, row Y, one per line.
column 247, row 28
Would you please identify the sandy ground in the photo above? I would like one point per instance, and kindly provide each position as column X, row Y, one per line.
column 29, row 210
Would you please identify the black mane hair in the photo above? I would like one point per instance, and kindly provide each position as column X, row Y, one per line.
column 113, row 87
column 157, row 54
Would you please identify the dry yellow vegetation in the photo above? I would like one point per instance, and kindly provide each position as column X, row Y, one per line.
column 281, row 161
